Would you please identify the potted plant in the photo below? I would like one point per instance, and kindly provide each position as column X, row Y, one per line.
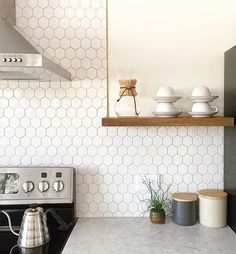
column 158, row 204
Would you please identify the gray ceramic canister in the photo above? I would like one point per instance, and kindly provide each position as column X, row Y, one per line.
column 184, row 208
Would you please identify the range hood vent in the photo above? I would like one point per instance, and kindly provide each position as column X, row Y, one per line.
column 19, row 60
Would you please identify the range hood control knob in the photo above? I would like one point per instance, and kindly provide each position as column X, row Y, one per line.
column 28, row 186
column 4, row 59
column 58, row 186
column 43, row 186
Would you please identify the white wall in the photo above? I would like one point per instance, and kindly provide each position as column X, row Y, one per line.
column 180, row 43
column 59, row 124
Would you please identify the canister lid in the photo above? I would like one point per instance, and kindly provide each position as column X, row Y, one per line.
column 184, row 197
column 212, row 194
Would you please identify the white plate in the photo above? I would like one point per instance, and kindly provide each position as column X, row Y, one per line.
column 166, row 98
column 201, row 114
column 167, row 114
column 202, row 98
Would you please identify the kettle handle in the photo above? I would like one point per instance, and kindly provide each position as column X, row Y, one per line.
column 60, row 221
column 9, row 222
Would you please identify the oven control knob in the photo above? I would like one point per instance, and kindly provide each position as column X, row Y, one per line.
column 14, row 60
column 28, row 186
column 9, row 59
column 58, row 186
column 4, row 60
column 43, row 186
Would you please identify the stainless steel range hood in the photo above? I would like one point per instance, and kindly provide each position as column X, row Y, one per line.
column 19, row 60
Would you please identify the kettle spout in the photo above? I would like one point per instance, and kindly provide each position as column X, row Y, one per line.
column 9, row 222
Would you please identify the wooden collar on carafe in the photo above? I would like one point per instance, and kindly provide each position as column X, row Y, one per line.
column 128, row 87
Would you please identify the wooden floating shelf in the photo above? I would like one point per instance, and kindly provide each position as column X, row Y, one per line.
column 175, row 121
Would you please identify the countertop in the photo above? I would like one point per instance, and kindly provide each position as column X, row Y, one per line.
column 138, row 235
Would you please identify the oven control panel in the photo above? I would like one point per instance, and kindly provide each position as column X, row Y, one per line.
column 36, row 185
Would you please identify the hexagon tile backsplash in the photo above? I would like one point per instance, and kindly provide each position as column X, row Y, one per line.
column 59, row 124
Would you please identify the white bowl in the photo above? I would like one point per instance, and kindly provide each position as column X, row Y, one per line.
column 201, row 91
column 167, row 114
column 166, row 98
column 201, row 114
column 203, row 107
column 202, row 98
column 165, row 91
column 165, row 107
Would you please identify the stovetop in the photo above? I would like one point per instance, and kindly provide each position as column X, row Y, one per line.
column 8, row 243
column 49, row 188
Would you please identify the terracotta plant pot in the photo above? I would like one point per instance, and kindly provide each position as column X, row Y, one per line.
column 157, row 218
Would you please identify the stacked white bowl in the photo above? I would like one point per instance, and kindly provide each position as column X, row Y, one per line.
column 165, row 98
column 201, row 96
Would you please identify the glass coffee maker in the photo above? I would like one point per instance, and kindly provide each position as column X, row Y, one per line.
column 127, row 105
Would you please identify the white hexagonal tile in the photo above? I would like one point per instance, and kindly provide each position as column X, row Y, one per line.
column 59, row 123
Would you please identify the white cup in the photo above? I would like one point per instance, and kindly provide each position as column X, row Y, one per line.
column 165, row 91
column 201, row 91
column 164, row 107
column 203, row 107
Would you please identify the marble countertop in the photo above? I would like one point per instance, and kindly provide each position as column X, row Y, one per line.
column 138, row 235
